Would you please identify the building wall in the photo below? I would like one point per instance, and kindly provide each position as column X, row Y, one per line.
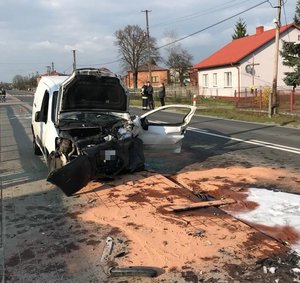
column 158, row 77
column 263, row 59
column 220, row 87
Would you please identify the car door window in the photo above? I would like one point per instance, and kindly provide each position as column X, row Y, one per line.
column 156, row 117
column 44, row 107
column 54, row 100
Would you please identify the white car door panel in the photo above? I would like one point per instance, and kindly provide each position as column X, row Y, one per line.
column 165, row 135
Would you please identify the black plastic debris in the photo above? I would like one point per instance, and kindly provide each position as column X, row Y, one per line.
column 143, row 271
column 73, row 176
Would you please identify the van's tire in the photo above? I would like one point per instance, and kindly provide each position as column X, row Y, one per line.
column 36, row 149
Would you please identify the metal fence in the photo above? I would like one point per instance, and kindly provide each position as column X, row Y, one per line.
column 174, row 94
column 288, row 100
column 258, row 100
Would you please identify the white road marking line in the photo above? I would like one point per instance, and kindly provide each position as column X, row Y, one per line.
column 15, row 180
column 255, row 142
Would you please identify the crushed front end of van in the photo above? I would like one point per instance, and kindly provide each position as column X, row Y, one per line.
column 96, row 135
column 83, row 128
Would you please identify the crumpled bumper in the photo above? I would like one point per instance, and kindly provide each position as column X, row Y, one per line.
column 73, row 176
column 107, row 159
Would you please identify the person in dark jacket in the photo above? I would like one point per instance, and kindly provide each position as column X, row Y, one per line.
column 144, row 97
column 149, row 94
column 162, row 94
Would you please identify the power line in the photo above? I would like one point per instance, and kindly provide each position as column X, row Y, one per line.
column 199, row 31
column 194, row 33
column 215, row 24
column 175, row 41
column 197, row 14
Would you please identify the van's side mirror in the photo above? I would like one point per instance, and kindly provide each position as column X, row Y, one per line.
column 37, row 116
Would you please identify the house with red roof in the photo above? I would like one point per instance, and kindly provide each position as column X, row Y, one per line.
column 245, row 63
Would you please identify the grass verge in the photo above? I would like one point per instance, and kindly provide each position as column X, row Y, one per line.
column 227, row 110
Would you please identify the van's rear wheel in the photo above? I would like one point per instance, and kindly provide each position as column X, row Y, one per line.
column 36, row 149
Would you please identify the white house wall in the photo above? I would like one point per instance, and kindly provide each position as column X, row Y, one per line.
column 263, row 59
column 220, row 89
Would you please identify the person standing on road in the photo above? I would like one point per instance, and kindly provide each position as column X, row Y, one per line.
column 162, row 94
column 144, row 97
column 149, row 94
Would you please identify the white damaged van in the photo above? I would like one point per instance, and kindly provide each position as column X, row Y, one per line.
column 82, row 126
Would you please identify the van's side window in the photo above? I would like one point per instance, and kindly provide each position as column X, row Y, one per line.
column 44, row 107
column 54, row 99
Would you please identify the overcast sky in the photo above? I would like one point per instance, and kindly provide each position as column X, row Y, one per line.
column 35, row 33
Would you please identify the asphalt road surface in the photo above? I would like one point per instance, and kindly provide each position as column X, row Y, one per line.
column 47, row 214
column 268, row 143
column 209, row 136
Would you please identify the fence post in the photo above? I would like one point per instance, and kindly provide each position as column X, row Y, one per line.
column 235, row 99
column 194, row 99
column 260, row 99
column 292, row 100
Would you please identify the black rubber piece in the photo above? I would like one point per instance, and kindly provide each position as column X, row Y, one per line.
column 134, row 271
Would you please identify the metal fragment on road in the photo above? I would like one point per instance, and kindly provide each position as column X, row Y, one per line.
column 178, row 208
column 107, row 249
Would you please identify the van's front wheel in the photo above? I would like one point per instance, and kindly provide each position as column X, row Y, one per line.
column 53, row 162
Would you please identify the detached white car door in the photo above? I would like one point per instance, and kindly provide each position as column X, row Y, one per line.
column 158, row 134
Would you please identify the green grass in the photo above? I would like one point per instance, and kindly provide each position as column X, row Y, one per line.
column 251, row 116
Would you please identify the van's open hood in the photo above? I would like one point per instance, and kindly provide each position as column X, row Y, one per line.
column 93, row 89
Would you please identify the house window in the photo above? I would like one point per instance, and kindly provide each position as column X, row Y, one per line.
column 298, row 37
column 205, row 80
column 215, row 79
column 228, row 79
column 155, row 79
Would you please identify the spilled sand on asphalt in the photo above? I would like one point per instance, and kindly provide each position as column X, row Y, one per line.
column 202, row 239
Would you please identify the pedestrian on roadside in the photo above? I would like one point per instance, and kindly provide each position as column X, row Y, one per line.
column 162, row 94
column 144, row 97
column 149, row 94
column 3, row 95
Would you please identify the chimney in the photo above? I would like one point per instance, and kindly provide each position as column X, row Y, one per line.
column 259, row 30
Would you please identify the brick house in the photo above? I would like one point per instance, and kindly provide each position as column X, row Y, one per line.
column 158, row 75
column 245, row 63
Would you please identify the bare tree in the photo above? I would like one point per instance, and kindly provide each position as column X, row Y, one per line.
column 25, row 82
column 132, row 45
column 178, row 58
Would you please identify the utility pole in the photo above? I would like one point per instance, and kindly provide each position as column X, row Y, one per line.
column 52, row 67
column 48, row 70
column 74, row 60
column 273, row 98
column 148, row 45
